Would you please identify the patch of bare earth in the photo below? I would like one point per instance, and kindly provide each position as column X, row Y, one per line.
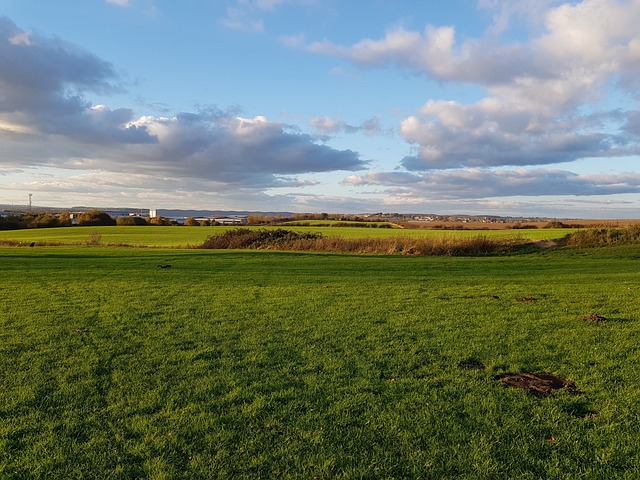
column 539, row 383
column 593, row 318
column 527, row 299
column 543, row 244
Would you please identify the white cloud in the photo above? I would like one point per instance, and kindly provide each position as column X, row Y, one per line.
column 236, row 22
column 537, row 91
column 21, row 38
column 245, row 15
column 119, row 3
column 329, row 125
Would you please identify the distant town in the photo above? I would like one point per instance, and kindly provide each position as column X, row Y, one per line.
column 180, row 217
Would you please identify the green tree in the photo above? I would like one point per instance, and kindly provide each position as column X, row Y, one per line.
column 131, row 220
column 95, row 218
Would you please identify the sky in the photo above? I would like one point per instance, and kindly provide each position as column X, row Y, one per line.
column 482, row 107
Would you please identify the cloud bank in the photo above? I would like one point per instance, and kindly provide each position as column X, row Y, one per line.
column 483, row 183
column 559, row 82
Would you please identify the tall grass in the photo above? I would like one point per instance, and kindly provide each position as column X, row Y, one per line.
column 281, row 239
column 603, row 237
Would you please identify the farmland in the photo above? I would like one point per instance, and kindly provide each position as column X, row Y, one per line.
column 167, row 236
column 251, row 364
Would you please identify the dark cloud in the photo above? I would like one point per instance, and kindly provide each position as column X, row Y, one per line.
column 36, row 67
column 42, row 82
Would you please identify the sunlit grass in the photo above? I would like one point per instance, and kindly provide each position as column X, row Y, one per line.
column 162, row 236
column 284, row 365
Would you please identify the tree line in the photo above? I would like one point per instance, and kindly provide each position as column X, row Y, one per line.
column 94, row 218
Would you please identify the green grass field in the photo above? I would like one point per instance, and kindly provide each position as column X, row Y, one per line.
column 160, row 236
column 313, row 366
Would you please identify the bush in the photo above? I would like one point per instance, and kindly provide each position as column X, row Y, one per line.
column 240, row 238
column 162, row 221
column 94, row 238
column 130, row 220
column 604, row 237
column 555, row 224
column 12, row 222
column 95, row 218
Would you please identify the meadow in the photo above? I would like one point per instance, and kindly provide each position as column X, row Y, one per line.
column 170, row 236
column 163, row 363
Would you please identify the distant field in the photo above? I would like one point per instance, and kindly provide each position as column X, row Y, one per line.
column 160, row 236
column 256, row 364
column 506, row 226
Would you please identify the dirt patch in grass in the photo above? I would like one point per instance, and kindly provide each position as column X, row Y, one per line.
column 593, row 318
column 539, row 383
column 527, row 299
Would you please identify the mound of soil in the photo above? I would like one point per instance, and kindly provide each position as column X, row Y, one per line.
column 526, row 299
column 539, row 383
column 593, row 318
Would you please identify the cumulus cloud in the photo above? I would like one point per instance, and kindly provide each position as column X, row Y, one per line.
column 46, row 120
column 534, row 110
column 492, row 133
column 484, row 183
column 253, row 151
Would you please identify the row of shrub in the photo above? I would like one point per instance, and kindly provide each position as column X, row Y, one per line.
column 243, row 238
column 282, row 239
column 94, row 218
column 604, row 237
column 51, row 220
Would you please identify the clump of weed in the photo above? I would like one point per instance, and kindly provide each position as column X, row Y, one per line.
column 604, row 237
column 94, row 238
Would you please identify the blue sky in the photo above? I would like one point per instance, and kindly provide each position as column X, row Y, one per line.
column 498, row 107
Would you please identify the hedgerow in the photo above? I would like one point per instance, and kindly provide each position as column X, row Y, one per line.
column 281, row 239
column 603, row 237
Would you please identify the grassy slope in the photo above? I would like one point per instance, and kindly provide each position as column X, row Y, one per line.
column 265, row 365
column 183, row 236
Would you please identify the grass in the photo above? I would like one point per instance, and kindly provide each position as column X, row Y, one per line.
column 161, row 236
column 286, row 365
